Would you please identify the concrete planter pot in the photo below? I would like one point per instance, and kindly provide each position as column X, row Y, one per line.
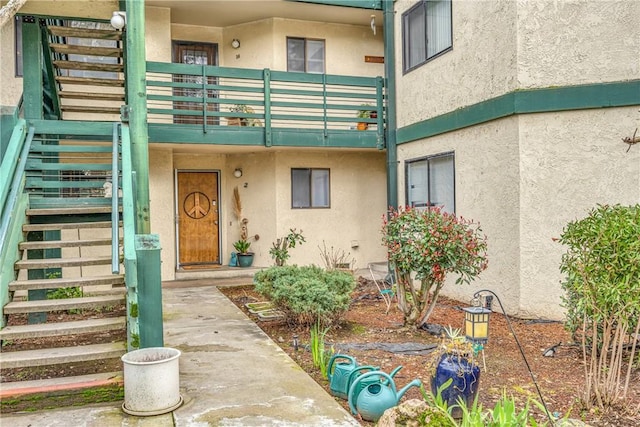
column 151, row 381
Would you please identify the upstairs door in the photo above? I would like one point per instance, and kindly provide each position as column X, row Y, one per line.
column 193, row 85
column 197, row 216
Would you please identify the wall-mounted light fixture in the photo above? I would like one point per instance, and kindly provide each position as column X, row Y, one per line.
column 373, row 24
column 119, row 20
column 235, row 43
column 237, row 173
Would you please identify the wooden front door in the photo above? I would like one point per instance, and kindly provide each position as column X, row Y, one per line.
column 191, row 86
column 197, row 210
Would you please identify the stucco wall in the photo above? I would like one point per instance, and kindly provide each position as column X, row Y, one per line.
column 258, row 195
column 480, row 66
column 358, row 201
column 486, row 187
column 345, row 45
column 569, row 162
column 573, row 42
column 256, row 45
column 11, row 87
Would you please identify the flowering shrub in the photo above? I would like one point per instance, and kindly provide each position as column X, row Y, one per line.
column 429, row 244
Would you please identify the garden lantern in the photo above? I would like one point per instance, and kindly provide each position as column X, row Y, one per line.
column 476, row 324
column 478, row 329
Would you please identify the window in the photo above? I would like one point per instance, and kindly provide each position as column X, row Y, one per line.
column 310, row 188
column 430, row 182
column 305, row 55
column 426, row 32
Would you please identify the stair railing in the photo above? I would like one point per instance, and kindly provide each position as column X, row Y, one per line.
column 115, row 211
column 129, row 235
column 14, row 202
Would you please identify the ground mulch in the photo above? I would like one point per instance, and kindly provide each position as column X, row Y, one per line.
column 560, row 378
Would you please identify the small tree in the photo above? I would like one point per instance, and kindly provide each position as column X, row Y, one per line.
column 602, row 285
column 280, row 248
column 428, row 244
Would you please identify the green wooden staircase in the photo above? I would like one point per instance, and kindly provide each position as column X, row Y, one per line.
column 64, row 312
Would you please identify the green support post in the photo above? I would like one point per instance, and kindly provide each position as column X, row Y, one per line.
column 32, row 66
column 149, row 290
column 136, row 70
column 390, row 74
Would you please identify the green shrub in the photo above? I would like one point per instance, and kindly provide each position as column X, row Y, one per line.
column 602, row 295
column 307, row 294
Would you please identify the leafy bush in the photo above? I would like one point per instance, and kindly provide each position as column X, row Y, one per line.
column 307, row 294
column 280, row 248
column 429, row 244
column 602, row 286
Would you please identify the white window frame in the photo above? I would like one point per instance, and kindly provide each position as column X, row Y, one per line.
column 318, row 183
column 427, row 32
column 422, row 185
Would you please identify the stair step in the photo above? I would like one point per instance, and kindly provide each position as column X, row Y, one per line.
column 74, row 49
column 65, row 226
column 92, row 95
column 79, row 210
column 89, row 66
column 22, row 388
column 89, row 109
column 56, row 356
column 22, row 285
column 56, row 329
column 29, row 264
column 49, row 244
column 86, row 33
column 90, row 81
column 39, row 306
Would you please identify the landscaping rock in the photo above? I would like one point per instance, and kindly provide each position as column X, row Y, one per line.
column 412, row 413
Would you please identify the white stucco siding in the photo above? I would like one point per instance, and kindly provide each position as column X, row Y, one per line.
column 11, row 89
column 486, row 186
column 157, row 34
column 98, row 9
column 345, row 45
column 258, row 196
column 481, row 65
column 569, row 162
column 573, row 42
column 256, row 45
column 358, row 201
column 162, row 206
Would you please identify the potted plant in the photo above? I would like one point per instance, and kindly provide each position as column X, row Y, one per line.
column 242, row 245
column 242, row 121
column 454, row 362
column 363, row 114
column 245, row 258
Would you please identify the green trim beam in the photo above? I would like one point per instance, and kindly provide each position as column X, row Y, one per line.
column 546, row 100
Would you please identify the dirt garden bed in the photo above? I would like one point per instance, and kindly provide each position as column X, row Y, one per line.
column 365, row 326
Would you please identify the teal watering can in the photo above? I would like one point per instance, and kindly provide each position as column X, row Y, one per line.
column 339, row 371
column 370, row 380
column 376, row 398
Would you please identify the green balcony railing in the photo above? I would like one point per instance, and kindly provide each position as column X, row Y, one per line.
column 209, row 96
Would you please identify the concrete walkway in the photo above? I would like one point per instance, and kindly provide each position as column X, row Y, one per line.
column 231, row 374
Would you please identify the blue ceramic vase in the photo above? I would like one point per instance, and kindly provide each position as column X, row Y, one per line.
column 466, row 380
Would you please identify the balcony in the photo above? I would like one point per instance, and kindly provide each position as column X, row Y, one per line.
column 198, row 104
